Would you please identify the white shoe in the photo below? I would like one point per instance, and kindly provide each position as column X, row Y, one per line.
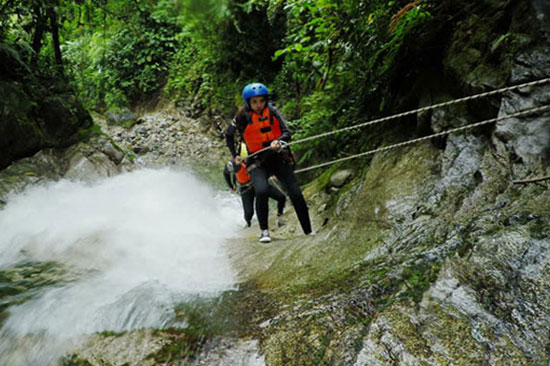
column 265, row 238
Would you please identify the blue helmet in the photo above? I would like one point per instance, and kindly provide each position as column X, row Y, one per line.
column 254, row 90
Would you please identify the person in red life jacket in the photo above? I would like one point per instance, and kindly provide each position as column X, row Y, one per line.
column 261, row 126
column 236, row 175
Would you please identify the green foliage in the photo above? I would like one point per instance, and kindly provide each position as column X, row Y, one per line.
column 398, row 34
column 318, row 117
column 337, row 55
column 114, row 52
column 223, row 49
column 117, row 62
column 138, row 60
column 13, row 54
column 203, row 52
column 314, row 32
column 190, row 69
column 199, row 13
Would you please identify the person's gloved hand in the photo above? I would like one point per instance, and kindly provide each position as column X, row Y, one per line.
column 275, row 145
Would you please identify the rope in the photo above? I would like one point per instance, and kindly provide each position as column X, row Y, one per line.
column 443, row 133
column 424, row 109
column 419, row 110
column 532, row 180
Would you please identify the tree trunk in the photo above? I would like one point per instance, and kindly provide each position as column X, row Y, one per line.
column 327, row 72
column 55, row 37
column 39, row 28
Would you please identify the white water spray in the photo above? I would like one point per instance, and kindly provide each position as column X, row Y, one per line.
column 137, row 244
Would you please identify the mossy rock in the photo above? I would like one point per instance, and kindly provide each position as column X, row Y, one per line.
column 37, row 112
column 123, row 117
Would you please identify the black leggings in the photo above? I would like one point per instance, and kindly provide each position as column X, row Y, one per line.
column 285, row 174
column 248, row 194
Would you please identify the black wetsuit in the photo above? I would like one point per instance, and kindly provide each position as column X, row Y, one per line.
column 270, row 163
column 248, row 193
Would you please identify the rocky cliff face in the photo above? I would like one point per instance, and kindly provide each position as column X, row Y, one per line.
column 431, row 254
column 36, row 111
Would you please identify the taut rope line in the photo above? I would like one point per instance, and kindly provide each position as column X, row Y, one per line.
column 443, row 133
column 419, row 110
column 424, row 109
column 532, row 180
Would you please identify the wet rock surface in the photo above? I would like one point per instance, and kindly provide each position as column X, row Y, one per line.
column 340, row 178
column 160, row 139
column 430, row 255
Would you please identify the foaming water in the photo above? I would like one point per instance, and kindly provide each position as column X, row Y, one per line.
column 136, row 244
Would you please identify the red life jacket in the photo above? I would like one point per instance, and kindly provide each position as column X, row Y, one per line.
column 241, row 175
column 261, row 130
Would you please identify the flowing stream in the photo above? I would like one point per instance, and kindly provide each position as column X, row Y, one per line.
column 129, row 248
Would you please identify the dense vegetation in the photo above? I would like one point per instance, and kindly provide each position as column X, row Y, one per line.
column 329, row 63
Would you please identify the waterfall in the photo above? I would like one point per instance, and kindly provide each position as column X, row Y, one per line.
column 130, row 247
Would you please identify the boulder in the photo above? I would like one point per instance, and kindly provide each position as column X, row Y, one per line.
column 124, row 118
column 340, row 178
column 28, row 127
column 89, row 168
